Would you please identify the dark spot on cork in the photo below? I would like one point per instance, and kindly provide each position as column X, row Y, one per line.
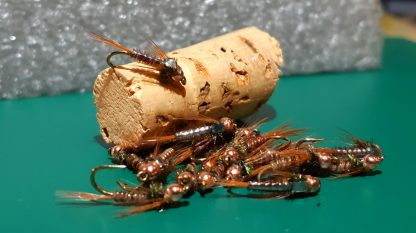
column 241, row 74
column 236, row 57
column 174, row 52
column 233, row 68
column 105, row 131
column 203, row 106
column 245, row 98
column 129, row 83
column 268, row 70
column 236, row 93
column 199, row 66
column 228, row 106
column 248, row 43
column 226, row 90
column 131, row 92
column 204, row 91
column 223, row 49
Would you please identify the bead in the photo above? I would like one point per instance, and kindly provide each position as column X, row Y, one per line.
column 173, row 193
column 371, row 161
column 206, row 180
column 186, row 179
column 229, row 125
column 148, row 171
column 314, row 185
column 234, row 172
column 230, row 156
column 208, row 164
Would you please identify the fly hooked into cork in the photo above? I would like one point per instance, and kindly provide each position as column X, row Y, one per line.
column 154, row 58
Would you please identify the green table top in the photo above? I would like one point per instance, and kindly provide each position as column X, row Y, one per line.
column 49, row 144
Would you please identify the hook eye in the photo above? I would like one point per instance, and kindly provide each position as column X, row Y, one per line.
column 142, row 176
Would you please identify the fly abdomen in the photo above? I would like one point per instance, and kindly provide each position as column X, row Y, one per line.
column 282, row 185
column 284, row 163
column 165, row 156
column 299, row 184
column 354, row 151
column 133, row 162
column 145, row 58
column 128, row 198
column 254, row 142
column 197, row 133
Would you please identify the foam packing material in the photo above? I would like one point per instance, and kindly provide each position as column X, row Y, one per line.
column 44, row 48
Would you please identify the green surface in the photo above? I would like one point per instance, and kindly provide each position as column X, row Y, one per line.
column 49, row 144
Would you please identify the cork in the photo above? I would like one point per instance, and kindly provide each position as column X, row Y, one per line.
column 230, row 75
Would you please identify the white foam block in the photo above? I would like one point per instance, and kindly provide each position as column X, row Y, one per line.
column 44, row 49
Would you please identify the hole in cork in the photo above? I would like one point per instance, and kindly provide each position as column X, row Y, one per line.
column 131, row 92
column 268, row 70
column 174, row 53
column 244, row 98
column 242, row 75
column 129, row 83
column 236, row 93
column 226, row 90
column 228, row 107
column 236, row 57
column 205, row 89
column 233, row 68
column 223, row 49
column 105, row 131
column 203, row 106
column 162, row 120
column 241, row 72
